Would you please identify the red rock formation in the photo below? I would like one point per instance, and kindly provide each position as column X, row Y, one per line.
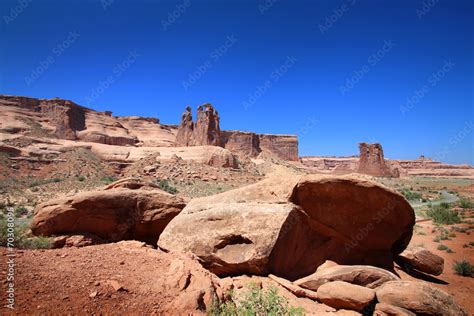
column 372, row 162
column 186, row 128
column 66, row 115
column 241, row 143
column 283, row 146
column 207, row 130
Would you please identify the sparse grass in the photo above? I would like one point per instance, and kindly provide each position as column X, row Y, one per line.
column 108, row 180
column 167, row 187
column 442, row 214
column 463, row 268
column 256, row 302
column 39, row 182
column 421, row 233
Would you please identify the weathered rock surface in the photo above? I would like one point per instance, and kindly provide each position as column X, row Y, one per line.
column 290, row 226
column 367, row 276
column 185, row 129
column 418, row 297
column 112, row 214
column 383, row 309
column 372, row 161
column 343, row 295
column 206, row 130
column 421, row 259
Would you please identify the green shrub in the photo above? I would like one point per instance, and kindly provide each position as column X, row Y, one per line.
column 442, row 247
column 20, row 211
column 108, row 180
column 411, row 196
column 167, row 187
column 20, row 239
column 81, row 178
column 464, row 268
column 466, row 203
column 443, row 215
column 256, row 302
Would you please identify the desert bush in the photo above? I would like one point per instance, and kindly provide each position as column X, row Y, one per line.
column 167, row 187
column 411, row 196
column 256, row 302
column 442, row 247
column 464, row 268
column 443, row 215
column 20, row 211
column 108, row 179
column 81, row 178
column 465, row 203
column 39, row 182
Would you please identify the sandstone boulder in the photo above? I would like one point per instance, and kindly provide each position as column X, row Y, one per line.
column 421, row 259
column 418, row 297
column 290, row 226
column 383, row 309
column 343, row 295
column 367, row 276
column 112, row 214
column 221, row 158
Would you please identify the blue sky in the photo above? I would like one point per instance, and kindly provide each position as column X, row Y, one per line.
column 334, row 72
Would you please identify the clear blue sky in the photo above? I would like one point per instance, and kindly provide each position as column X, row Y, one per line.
column 336, row 73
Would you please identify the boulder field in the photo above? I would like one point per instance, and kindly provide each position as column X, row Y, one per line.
column 322, row 240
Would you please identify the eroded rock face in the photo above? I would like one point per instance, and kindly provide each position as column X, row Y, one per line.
column 113, row 214
column 67, row 116
column 206, row 130
column 367, row 276
column 186, row 129
column 343, row 295
column 372, row 161
column 290, row 226
column 422, row 260
column 418, row 297
column 283, row 146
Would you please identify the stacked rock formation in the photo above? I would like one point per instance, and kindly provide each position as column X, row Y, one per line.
column 372, row 161
column 206, row 130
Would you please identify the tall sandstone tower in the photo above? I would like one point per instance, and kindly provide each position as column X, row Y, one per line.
column 372, row 161
column 206, row 130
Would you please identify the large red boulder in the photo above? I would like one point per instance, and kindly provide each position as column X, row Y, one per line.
column 290, row 226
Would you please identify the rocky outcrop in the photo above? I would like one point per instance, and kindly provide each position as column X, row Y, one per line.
column 367, row 276
column 422, row 260
column 372, row 161
column 283, row 146
column 67, row 116
column 290, row 226
column 186, row 129
column 343, row 295
column 420, row 298
column 241, row 143
column 206, row 130
column 117, row 213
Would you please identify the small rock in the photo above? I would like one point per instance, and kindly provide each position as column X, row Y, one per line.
column 93, row 294
column 116, row 286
